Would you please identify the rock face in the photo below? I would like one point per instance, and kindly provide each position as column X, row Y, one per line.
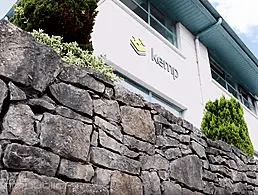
column 65, row 137
column 24, row 60
column 22, row 157
column 187, row 170
column 151, row 183
column 3, row 93
column 125, row 184
column 16, row 94
column 72, row 97
column 79, row 76
column 18, row 124
column 85, row 189
column 111, row 160
column 74, row 170
column 69, row 130
column 108, row 109
column 137, row 122
column 30, row 183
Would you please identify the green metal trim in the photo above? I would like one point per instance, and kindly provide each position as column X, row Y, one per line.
column 219, row 22
column 229, row 30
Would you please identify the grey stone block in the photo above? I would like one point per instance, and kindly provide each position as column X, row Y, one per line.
column 26, row 61
column 65, row 137
column 75, row 170
column 138, row 123
column 20, row 157
column 72, row 97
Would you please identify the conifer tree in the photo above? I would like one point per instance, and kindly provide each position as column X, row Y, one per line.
column 71, row 19
column 224, row 120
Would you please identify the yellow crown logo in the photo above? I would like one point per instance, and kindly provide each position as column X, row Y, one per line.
column 138, row 46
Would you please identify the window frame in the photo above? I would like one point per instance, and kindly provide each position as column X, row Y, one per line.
column 168, row 33
column 177, row 111
column 243, row 96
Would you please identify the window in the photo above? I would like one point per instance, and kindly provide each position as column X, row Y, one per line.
column 154, row 17
column 228, row 82
column 149, row 95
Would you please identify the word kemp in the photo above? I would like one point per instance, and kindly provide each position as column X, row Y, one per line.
column 163, row 64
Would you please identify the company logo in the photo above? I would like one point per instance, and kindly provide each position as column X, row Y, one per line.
column 138, row 46
column 140, row 49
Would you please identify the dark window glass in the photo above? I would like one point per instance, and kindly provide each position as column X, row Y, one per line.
column 157, row 14
column 154, row 17
column 139, row 7
column 158, row 27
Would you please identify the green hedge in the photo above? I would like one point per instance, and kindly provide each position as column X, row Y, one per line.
column 224, row 120
column 73, row 54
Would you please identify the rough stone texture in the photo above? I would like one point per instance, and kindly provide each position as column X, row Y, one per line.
column 68, row 113
column 79, row 76
column 151, row 183
column 94, row 138
column 25, row 61
column 110, row 141
column 85, row 189
column 74, row 170
column 112, row 130
column 31, row 184
column 3, row 93
column 102, row 176
column 200, row 150
column 127, row 97
column 72, row 97
column 171, row 188
column 4, row 178
column 12, row 178
column 20, row 157
column 156, row 162
column 172, row 153
column 65, row 137
column 162, row 141
column 114, row 161
column 187, row 170
column 125, row 184
column 18, row 124
column 138, row 123
column 41, row 104
column 108, row 109
column 16, row 94
column 138, row 145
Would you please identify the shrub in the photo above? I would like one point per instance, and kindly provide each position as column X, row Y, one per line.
column 71, row 19
column 73, row 54
column 224, row 120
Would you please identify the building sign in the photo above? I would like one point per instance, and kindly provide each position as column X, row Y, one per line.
column 138, row 46
column 140, row 49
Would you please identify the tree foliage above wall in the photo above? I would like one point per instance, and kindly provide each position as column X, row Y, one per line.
column 224, row 120
column 71, row 19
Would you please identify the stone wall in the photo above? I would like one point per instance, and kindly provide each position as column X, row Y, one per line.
column 71, row 131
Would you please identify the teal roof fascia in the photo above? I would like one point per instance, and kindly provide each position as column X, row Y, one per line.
column 199, row 15
column 230, row 31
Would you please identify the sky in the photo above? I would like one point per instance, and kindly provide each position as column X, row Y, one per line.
column 241, row 15
column 5, row 6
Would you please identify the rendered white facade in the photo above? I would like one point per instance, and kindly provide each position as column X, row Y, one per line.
column 116, row 25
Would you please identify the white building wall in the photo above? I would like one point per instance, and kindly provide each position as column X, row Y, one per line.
column 115, row 26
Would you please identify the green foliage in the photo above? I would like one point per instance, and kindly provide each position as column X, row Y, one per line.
column 224, row 120
column 71, row 19
column 73, row 54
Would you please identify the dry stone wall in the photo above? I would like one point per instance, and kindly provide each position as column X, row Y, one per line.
column 67, row 130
